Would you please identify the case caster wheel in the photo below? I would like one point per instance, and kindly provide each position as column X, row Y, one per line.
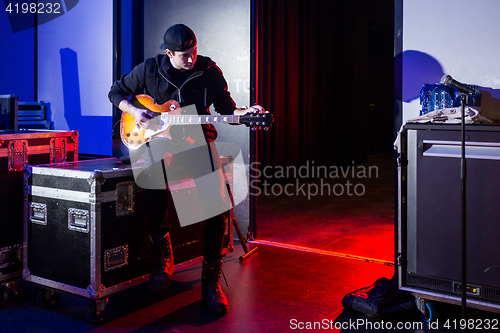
column 95, row 311
column 12, row 291
column 427, row 310
column 46, row 298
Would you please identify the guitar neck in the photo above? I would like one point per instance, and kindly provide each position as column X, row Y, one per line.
column 134, row 135
column 199, row 119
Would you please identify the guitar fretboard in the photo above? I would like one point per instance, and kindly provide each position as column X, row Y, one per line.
column 199, row 119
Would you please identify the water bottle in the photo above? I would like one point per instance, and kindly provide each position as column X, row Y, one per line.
column 425, row 95
column 440, row 98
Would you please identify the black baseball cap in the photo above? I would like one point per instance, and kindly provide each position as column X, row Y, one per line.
column 178, row 38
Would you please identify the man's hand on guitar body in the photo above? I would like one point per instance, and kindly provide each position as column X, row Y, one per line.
column 141, row 116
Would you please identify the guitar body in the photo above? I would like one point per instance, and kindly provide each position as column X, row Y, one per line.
column 132, row 135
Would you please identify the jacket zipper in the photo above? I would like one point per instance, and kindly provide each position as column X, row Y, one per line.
column 179, row 89
column 179, row 92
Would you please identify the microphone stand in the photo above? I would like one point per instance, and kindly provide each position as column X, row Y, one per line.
column 463, row 176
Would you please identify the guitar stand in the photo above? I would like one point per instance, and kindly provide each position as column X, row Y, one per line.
column 241, row 239
column 243, row 242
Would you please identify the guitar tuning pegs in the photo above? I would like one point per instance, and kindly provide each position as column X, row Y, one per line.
column 253, row 128
column 266, row 128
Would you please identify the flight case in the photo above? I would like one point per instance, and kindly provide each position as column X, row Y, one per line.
column 19, row 148
column 86, row 231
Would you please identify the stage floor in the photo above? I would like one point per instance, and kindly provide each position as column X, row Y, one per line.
column 310, row 255
column 275, row 290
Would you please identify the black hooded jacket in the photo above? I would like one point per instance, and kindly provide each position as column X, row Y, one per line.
column 204, row 86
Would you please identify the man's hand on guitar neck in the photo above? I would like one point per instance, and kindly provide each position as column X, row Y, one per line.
column 141, row 116
column 255, row 108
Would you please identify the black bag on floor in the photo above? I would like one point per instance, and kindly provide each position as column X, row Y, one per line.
column 380, row 300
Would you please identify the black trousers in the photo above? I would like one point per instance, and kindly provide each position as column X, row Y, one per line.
column 161, row 157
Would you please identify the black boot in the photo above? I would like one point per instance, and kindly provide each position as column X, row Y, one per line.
column 163, row 267
column 211, row 291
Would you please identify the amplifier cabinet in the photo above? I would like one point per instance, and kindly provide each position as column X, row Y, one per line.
column 430, row 213
column 18, row 148
column 86, row 229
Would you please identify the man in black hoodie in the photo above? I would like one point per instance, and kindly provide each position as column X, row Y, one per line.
column 191, row 80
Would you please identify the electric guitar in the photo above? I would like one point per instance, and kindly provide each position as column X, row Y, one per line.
column 168, row 115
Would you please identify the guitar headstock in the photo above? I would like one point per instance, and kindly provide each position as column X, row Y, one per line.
column 257, row 120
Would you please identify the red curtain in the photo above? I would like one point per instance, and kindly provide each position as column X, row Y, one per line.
column 311, row 73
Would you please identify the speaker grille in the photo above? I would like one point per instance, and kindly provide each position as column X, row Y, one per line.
column 429, row 282
column 435, row 284
column 491, row 294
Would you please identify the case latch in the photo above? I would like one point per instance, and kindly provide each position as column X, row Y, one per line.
column 38, row 213
column 124, row 196
column 115, row 258
column 10, row 255
column 78, row 220
column 18, row 155
column 58, row 150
